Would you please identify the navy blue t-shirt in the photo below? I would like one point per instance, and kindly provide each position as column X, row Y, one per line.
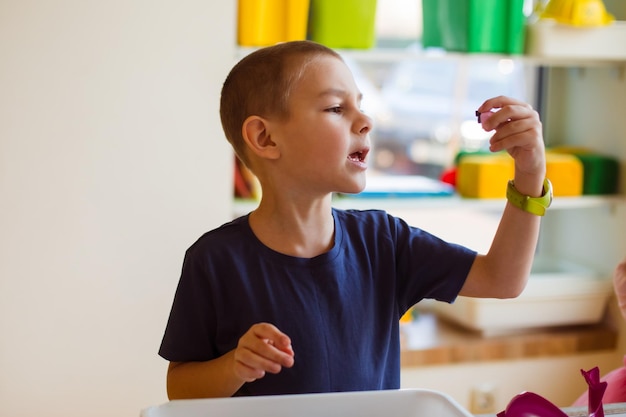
column 341, row 309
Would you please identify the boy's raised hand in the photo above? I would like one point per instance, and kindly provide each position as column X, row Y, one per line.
column 518, row 131
column 263, row 348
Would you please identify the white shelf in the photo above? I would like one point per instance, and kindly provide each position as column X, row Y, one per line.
column 559, row 203
column 391, row 55
column 242, row 207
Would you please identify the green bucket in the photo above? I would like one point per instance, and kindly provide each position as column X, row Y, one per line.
column 496, row 26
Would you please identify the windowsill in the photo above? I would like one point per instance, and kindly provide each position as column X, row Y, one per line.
column 432, row 341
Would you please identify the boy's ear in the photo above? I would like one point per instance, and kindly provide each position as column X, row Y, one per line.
column 256, row 133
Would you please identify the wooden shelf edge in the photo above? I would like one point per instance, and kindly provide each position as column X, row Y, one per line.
column 470, row 347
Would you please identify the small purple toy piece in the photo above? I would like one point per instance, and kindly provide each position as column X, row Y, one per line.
column 596, row 391
column 483, row 117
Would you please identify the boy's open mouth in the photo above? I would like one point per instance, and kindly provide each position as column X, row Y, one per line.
column 358, row 156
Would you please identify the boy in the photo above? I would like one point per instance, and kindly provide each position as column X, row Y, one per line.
column 298, row 297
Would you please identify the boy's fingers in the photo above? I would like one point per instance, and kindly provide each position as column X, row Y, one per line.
column 268, row 331
column 265, row 348
column 499, row 102
column 275, row 337
column 260, row 362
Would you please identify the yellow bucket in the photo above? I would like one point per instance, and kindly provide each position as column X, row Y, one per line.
column 578, row 12
column 267, row 22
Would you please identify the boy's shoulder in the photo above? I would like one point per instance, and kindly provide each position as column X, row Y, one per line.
column 232, row 231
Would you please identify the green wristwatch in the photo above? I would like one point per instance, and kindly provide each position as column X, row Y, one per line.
column 533, row 205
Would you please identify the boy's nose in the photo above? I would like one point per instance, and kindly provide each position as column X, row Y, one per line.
column 365, row 124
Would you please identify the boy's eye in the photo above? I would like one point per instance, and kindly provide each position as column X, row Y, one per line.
column 335, row 109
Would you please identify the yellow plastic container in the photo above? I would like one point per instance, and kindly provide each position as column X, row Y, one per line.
column 267, row 22
column 484, row 176
column 566, row 174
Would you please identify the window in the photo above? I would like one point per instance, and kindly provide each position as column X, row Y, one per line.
column 424, row 107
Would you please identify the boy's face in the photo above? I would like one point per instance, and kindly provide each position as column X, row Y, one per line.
column 325, row 140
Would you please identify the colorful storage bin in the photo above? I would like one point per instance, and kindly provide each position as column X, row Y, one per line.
column 496, row 26
column 344, row 24
column 267, row 22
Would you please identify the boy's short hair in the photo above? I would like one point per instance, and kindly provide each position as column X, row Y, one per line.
column 260, row 84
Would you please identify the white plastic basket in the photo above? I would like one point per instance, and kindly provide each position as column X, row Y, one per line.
column 558, row 293
column 396, row 403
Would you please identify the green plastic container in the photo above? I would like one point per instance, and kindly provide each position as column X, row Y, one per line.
column 496, row 26
column 600, row 174
column 431, row 35
column 343, row 24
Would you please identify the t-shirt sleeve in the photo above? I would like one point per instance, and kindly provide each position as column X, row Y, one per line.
column 191, row 324
column 429, row 267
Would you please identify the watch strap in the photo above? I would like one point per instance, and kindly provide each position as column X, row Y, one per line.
column 533, row 205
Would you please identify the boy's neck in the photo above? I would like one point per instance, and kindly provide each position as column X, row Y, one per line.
column 302, row 230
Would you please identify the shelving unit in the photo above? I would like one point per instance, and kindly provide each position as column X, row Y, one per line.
column 581, row 102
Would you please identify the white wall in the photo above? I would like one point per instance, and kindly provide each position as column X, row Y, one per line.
column 112, row 162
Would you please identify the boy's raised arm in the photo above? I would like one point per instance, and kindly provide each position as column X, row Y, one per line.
column 504, row 270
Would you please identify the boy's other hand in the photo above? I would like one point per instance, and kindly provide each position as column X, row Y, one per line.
column 263, row 348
